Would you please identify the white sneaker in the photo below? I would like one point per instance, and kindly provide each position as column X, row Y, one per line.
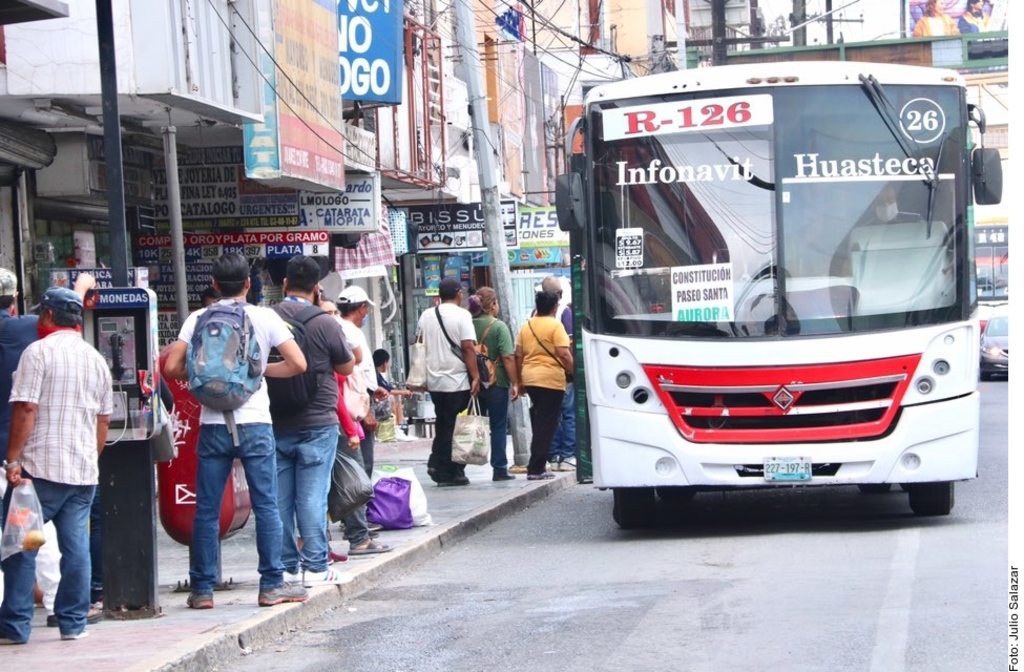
column 331, row 577
column 402, row 436
column 292, row 578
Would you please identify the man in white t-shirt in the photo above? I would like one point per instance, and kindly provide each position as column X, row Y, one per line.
column 452, row 377
column 354, row 307
column 257, row 450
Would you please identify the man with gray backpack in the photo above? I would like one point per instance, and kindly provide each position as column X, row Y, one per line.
column 305, row 413
column 222, row 351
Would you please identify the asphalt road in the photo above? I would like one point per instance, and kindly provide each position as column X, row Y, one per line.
column 792, row 580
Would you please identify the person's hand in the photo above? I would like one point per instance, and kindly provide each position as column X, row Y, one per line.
column 353, row 443
column 380, row 394
column 370, row 423
column 14, row 475
column 84, row 282
column 474, row 387
column 513, row 392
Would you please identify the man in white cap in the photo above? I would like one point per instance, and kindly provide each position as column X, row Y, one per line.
column 353, row 306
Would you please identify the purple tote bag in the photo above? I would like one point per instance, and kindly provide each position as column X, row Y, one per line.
column 389, row 507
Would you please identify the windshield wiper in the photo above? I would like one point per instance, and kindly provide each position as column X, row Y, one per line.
column 876, row 94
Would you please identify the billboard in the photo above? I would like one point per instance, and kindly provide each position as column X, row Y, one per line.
column 300, row 142
column 933, row 18
column 370, row 50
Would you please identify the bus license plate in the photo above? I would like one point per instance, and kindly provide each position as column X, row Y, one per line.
column 787, row 469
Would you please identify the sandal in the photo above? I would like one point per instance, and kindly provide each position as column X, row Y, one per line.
column 372, row 547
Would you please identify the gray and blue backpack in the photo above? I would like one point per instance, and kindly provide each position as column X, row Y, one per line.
column 223, row 360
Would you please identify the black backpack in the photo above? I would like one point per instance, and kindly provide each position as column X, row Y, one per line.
column 289, row 396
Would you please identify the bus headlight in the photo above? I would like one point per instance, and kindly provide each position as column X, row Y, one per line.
column 925, row 385
column 624, row 379
column 940, row 367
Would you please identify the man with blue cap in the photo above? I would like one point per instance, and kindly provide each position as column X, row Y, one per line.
column 61, row 397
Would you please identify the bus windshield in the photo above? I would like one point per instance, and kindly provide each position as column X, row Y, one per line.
column 777, row 212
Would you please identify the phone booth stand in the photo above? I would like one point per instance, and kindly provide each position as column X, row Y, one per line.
column 122, row 324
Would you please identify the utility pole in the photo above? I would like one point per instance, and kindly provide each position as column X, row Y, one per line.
column 719, row 47
column 177, row 234
column 112, row 144
column 489, row 198
column 799, row 21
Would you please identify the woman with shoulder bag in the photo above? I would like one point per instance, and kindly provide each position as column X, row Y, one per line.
column 542, row 359
column 495, row 339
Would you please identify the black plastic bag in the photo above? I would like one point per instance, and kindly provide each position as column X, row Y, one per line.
column 350, row 487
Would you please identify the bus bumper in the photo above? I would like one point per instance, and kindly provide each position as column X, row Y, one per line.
column 932, row 442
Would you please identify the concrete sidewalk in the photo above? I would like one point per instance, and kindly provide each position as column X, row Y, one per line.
column 185, row 639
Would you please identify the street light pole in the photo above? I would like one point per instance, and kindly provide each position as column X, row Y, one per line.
column 112, row 144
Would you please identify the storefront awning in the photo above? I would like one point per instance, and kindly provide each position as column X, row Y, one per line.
column 22, row 11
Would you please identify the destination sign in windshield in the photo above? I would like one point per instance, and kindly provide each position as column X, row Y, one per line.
column 684, row 116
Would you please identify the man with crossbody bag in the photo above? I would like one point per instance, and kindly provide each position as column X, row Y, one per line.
column 452, row 376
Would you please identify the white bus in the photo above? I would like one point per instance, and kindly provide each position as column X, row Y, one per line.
column 777, row 284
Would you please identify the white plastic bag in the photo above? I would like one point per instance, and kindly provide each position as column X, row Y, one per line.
column 471, row 442
column 23, row 530
column 417, row 497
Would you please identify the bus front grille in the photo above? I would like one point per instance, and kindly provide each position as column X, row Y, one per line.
column 823, row 402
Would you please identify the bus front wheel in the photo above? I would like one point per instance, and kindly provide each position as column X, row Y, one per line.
column 931, row 499
column 633, row 507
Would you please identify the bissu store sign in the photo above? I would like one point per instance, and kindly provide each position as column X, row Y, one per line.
column 370, row 50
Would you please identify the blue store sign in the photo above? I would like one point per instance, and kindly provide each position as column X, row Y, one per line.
column 370, row 50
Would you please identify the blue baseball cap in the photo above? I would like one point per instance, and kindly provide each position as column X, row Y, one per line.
column 62, row 299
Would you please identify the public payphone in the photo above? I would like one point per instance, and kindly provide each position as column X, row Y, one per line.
column 122, row 324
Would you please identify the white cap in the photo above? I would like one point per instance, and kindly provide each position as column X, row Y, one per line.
column 8, row 283
column 354, row 294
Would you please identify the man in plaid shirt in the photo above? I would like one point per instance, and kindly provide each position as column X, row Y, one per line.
column 62, row 397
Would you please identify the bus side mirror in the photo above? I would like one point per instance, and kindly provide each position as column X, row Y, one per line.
column 987, row 176
column 569, row 202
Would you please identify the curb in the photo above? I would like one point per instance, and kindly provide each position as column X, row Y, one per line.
column 202, row 653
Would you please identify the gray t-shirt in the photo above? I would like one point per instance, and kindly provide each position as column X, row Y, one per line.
column 326, row 348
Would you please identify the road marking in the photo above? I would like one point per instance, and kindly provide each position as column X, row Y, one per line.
column 894, row 616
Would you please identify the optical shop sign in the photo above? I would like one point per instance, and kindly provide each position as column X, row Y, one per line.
column 354, row 210
column 457, row 227
column 210, row 246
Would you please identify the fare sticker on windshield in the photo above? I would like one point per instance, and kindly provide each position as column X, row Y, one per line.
column 629, row 248
column 683, row 116
column 702, row 293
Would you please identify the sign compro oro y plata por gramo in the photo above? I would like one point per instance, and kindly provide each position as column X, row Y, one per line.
column 202, row 249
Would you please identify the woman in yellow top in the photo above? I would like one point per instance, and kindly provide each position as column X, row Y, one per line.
column 542, row 359
column 935, row 22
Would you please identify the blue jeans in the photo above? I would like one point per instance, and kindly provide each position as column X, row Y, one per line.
column 68, row 507
column 494, row 404
column 216, row 455
column 305, row 458
column 564, row 443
